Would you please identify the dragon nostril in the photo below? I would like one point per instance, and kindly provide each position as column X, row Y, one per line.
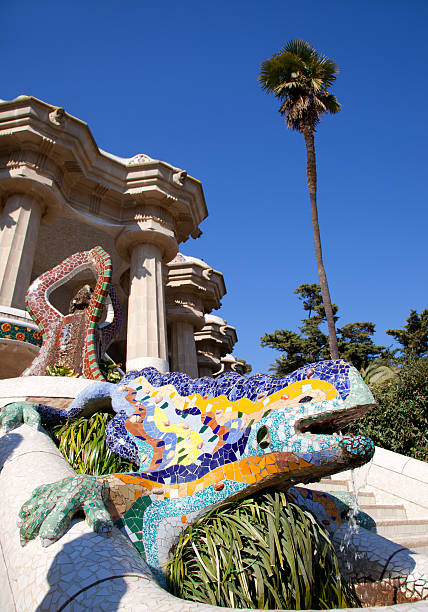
column 261, row 433
column 305, row 399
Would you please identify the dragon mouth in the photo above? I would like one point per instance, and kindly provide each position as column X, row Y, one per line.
column 331, row 422
column 297, row 468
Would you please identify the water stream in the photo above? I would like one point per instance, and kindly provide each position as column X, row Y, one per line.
column 347, row 547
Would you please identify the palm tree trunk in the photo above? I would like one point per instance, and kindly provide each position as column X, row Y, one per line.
column 311, row 172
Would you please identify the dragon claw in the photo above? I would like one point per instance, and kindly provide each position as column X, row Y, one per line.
column 49, row 511
column 14, row 414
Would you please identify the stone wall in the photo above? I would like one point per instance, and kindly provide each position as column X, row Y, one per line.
column 394, row 479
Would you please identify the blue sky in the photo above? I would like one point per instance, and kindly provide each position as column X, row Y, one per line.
column 178, row 81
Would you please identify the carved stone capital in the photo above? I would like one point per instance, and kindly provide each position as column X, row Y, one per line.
column 192, row 276
column 216, row 336
column 147, row 231
column 36, row 182
column 186, row 311
column 208, row 362
column 156, row 213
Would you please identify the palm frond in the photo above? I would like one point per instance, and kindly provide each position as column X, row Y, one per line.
column 330, row 102
column 301, row 49
column 299, row 72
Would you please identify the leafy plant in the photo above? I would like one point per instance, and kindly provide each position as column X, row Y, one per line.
column 378, row 372
column 59, row 370
column 400, row 420
column 82, row 442
column 260, row 552
column 110, row 371
column 414, row 335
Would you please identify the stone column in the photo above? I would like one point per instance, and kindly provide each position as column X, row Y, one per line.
column 147, row 339
column 205, row 371
column 183, row 348
column 215, row 340
column 19, row 227
column 148, row 240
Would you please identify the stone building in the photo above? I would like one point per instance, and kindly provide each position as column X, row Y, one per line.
column 59, row 194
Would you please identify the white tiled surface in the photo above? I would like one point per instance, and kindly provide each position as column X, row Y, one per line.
column 49, row 386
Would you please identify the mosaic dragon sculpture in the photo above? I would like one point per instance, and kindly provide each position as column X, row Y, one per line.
column 200, row 443
column 77, row 340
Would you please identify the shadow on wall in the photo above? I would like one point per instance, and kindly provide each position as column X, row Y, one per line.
column 143, row 272
column 7, row 221
column 8, row 443
column 73, row 567
column 80, row 576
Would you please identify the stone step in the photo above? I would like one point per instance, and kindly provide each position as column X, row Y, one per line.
column 328, row 486
column 366, row 497
column 380, row 512
column 397, row 528
column 417, row 543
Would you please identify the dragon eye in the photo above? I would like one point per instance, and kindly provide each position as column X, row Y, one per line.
column 305, row 399
column 263, row 437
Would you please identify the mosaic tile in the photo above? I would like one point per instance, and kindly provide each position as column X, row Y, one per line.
column 22, row 333
column 73, row 340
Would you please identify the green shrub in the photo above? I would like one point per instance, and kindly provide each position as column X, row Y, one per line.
column 400, row 420
column 59, row 370
column 261, row 552
column 109, row 370
column 82, row 442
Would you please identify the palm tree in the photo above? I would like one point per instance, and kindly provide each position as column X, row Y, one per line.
column 299, row 77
